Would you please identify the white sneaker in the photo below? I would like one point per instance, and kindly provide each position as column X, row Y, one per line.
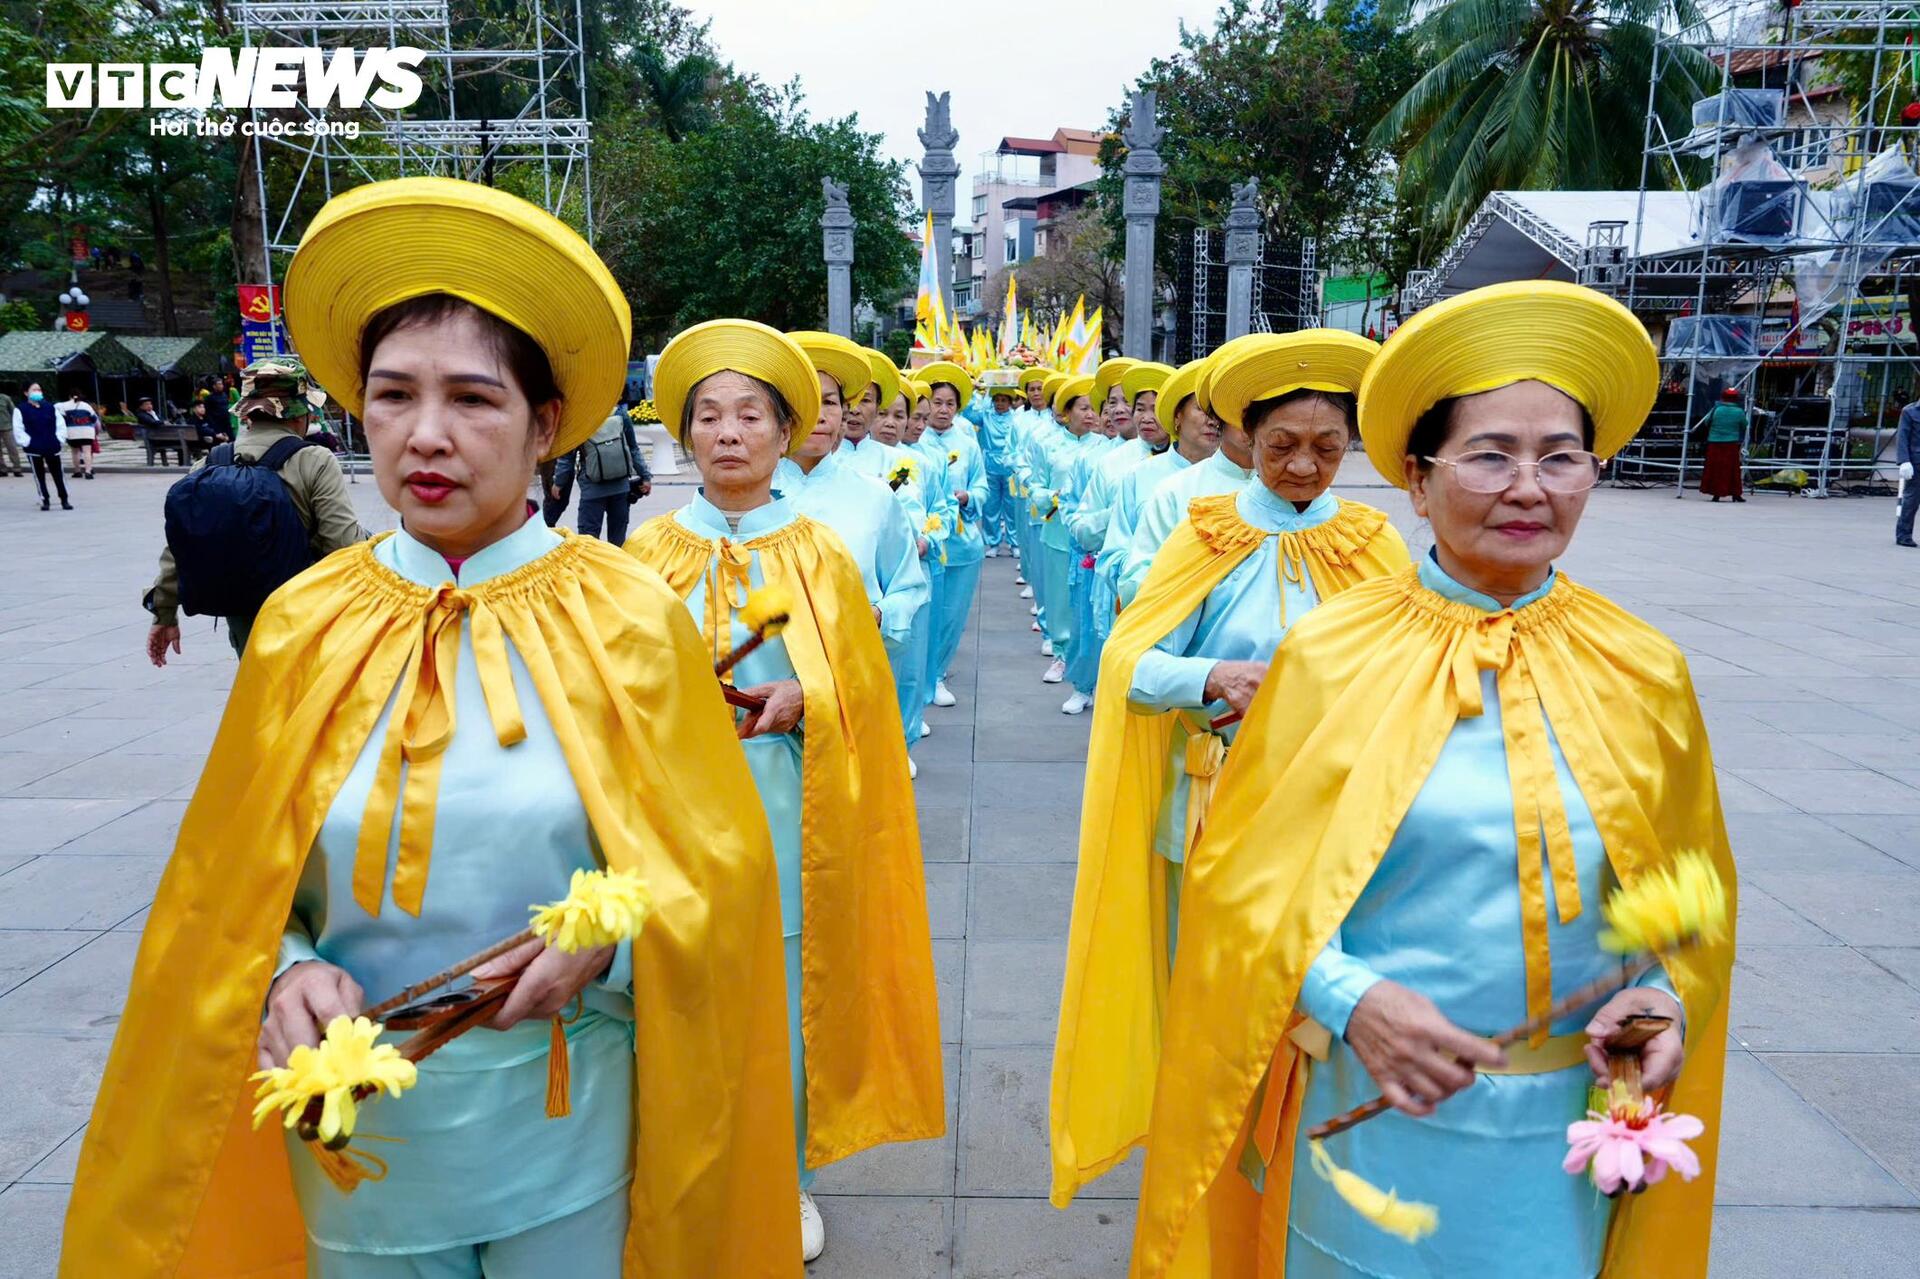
column 926, row 729
column 813, row 1231
column 942, row 695
column 913, row 771
column 993, row 552
column 1075, row 704
column 1046, row 648
column 1034, row 626
column 1055, row 673
column 1026, row 592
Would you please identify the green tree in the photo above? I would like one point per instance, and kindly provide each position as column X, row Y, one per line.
column 1277, row 92
column 726, row 220
column 1536, row 94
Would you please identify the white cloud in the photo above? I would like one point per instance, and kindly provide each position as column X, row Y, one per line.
column 1013, row 69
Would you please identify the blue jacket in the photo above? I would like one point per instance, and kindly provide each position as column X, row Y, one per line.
column 1906, row 438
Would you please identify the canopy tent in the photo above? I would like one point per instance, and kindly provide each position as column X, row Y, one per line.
column 26, row 352
column 174, row 357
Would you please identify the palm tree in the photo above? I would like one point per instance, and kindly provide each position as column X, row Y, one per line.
column 678, row 90
column 1537, row 94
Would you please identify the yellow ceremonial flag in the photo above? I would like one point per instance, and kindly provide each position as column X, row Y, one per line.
column 928, row 304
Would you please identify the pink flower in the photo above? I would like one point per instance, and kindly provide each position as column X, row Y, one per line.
column 1632, row 1147
column 1087, row 562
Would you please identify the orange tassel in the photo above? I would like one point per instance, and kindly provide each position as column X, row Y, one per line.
column 559, row 1072
column 346, row 1168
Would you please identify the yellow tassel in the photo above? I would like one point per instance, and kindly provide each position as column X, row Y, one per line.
column 1410, row 1221
column 559, row 1072
column 347, row 1167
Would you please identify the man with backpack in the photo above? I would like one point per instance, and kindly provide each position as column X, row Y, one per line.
column 252, row 515
column 610, row 475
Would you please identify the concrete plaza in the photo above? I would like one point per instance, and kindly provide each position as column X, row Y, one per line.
column 1802, row 622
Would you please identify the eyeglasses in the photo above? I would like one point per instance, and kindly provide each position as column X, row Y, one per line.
column 1490, row 471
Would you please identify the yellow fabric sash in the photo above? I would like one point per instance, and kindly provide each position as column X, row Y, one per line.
column 173, row 1181
column 1337, row 744
column 868, row 1015
column 421, row 728
column 1108, row 1044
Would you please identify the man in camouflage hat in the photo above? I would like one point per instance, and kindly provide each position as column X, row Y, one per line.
column 278, row 389
column 278, row 402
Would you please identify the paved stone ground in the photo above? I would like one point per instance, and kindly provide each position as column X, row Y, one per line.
column 1803, row 622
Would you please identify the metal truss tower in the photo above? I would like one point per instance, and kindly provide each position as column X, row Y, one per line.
column 533, row 92
column 1804, row 206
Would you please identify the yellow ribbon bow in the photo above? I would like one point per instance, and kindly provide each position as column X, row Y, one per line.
column 418, row 733
column 1539, row 811
column 729, row 581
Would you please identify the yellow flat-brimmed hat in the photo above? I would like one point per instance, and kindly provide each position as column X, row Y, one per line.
column 1052, row 381
column 950, row 373
column 1272, row 364
column 1109, row 375
column 1069, row 390
column 388, row 242
column 1203, row 387
column 841, row 359
column 886, row 378
column 1579, row 342
column 1175, row 389
column 921, row 391
column 1037, row 373
column 1147, row 375
column 738, row 346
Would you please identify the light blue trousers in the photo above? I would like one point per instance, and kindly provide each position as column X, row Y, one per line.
column 955, row 604
column 583, row 1245
column 996, row 517
column 1083, row 658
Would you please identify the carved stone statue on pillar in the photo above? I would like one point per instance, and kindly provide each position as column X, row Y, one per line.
column 1243, row 252
column 836, row 233
column 1142, row 135
column 938, row 170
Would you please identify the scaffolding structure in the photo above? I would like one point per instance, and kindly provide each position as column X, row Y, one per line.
column 1805, row 245
column 1286, row 291
column 532, row 90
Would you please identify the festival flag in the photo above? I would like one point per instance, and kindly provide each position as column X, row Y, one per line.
column 1070, row 336
column 929, row 307
column 1008, row 333
column 1087, row 354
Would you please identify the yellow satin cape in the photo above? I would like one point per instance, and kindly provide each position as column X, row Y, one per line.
column 174, row 1181
column 1108, row 1045
column 1327, row 764
column 868, row 1016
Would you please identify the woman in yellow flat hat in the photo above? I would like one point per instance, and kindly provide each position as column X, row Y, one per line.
column 428, row 733
column 826, row 751
column 1432, row 794
column 1190, row 649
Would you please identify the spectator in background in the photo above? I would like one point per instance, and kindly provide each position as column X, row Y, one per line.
column 10, row 458
column 610, row 474
column 219, row 412
column 39, row 429
column 277, row 408
column 1906, row 448
column 143, row 415
column 82, row 423
column 1726, row 429
column 203, row 426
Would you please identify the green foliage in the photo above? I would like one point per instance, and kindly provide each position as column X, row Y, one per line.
column 18, row 314
column 1276, row 92
column 1535, row 95
column 726, row 220
column 897, row 345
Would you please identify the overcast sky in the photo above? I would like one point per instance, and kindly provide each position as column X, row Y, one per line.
column 1025, row 68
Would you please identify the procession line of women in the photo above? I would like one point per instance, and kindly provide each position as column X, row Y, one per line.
column 1344, row 813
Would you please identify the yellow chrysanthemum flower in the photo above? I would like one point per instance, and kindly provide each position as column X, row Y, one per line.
column 346, row 1060
column 934, row 526
column 1669, row 907
column 767, row 609
column 904, row 471
column 601, row 907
